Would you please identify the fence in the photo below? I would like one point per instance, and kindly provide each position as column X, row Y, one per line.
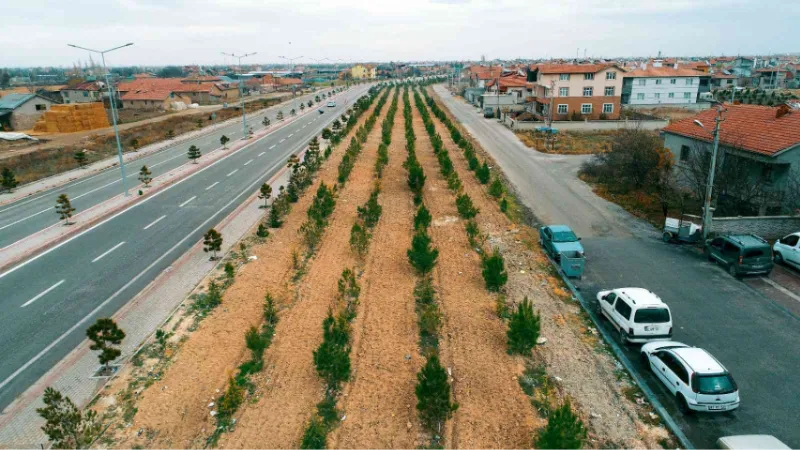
column 768, row 227
column 589, row 125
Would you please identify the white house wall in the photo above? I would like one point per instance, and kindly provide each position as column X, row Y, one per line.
column 650, row 89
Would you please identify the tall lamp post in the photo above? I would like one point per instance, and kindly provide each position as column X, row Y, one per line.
column 707, row 210
column 291, row 70
column 241, row 92
column 112, row 101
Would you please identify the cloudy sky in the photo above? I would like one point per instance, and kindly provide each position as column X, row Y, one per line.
column 35, row 32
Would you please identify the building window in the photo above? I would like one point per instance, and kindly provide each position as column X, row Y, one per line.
column 586, row 108
column 657, row 95
column 564, row 77
column 673, row 81
column 41, row 107
column 685, row 152
column 588, row 76
column 547, row 92
column 689, row 81
column 766, row 173
column 658, row 81
column 609, row 92
column 640, row 96
column 671, row 95
column 687, row 94
column 85, row 93
column 587, row 91
column 562, row 109
column 563, row 92
column 642, row 82
column 608, row 108
column 611, row 75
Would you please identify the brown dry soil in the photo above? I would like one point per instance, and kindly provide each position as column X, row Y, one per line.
column 291, row 387
column 493, row 411
column 379, row 402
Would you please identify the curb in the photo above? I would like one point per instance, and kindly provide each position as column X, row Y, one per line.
column 623, row 359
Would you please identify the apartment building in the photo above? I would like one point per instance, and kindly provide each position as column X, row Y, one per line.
column 661, row 85
column 588, row 91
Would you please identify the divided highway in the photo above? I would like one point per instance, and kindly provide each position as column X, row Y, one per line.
column 49, row 300
column 31, row 214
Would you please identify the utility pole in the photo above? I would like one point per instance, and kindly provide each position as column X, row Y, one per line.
column 707, row 210
column 291, row 70
column 241, row 91
column 112, row 101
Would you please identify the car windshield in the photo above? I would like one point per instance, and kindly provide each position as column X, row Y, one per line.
column 755, row 253
column 564, row 236
column 714, row 384
column 652, row 315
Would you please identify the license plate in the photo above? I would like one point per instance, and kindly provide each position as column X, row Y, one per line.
column 716, row 407
column 650, row 328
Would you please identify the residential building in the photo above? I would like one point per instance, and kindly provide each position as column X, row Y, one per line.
column 479, row 76
column 152, row 99
column 660, row 85
column 85, row 92
column 724, row 80
column 772, row 77
column 588, row 91
column 761, row 142
column 20, row 111
column 364, row 72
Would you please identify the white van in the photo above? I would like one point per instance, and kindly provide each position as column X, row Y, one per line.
column 638, row 314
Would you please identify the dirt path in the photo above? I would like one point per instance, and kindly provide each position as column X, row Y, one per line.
column 292, row 388
column 380, row 401
column 493, row 411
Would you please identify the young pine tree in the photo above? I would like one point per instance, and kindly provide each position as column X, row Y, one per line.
column 194, row 153
column 80, row 158
column 145, row 176
column 315, row 436
column 265, row 122
column 7, row 180
column 422, row 220
column 223, row 140
column 280, row 115
column 494, row 271
column 422, row 255
column 265, row 192
column 105, row 336
column 212, row 242
column 496, row 188
column 483, row 173
column 433, row 395
column 465, row 207
column 523, row 329
column 67, row 426
column 64, row 208
column 564, row 430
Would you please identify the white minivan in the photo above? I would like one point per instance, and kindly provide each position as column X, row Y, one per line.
column 787, row 250
column 638, row 314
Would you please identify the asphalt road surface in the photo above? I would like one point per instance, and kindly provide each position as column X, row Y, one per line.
column 751, row 326
column 31, row 214
column 49, row 300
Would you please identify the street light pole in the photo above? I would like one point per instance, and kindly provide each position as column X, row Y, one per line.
column 711, row 171
column 241, row 91
column 113, row 106
column 291, row 70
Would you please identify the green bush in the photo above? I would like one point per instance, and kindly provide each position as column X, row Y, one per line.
column 564, row 430
column 496, row 188
column 453, row 182
column 433, row 395
column 523, row 329
column 370, row 213
column 262, row 231
column 332, row 357
column 416, row 178
column 422, row 255
column 483, row 173
column 465, row 207
column 473, row 162
column 315, row 436
column 359, row 240
column 255, row 342
column 275, row 217
column 504, row 205
column 422, row 220
column 494, row 273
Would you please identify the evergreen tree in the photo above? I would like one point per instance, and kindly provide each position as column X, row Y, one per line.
column 7, row 180
column 302, row 107
column 194, row 153
column 170, row 134
column 494, row 271
column 483, row 173
column 105, row 335
column 275, row 216
column 145, row 176
column 66, row 426
column 265, row 193
column 293, row 112
column 564, row 430
column 315, row 436
column 80, row 158
column 280, row 115
column 523, row 329
column 265, row 122
column 135, row 144
column 212, row 242
column 422, row 220
column 262, row 231
column 223, row 140
column 496, row 188
column 64, row 208
column 326, row 133
column 433, row 395
column 422, row 255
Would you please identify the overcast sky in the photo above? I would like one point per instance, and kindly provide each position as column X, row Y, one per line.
column 35, row 32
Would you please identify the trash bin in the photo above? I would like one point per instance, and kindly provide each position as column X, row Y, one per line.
column 572, row 264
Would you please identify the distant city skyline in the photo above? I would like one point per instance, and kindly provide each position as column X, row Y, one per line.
column 178, row 32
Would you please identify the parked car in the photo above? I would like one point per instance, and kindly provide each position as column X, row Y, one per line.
column 556, row 239
column 751, row 442
column 698, row 381
column 637, row 314
column 742, row 254
column 331, row 104
column 321, row 111
column 787, row 250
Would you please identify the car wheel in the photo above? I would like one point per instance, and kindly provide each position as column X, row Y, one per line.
column 666, row 237
column 683, row 405
column 623, row 337
column 732, row 271
column 778, row 258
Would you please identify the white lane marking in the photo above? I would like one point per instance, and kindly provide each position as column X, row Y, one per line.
column 215, row 183
column 25, row 218
column 46, row 291
column 166, row 160
column 261, row 153
column 272, row 147
column 108, row 251
column 312, row 121
column 281, row 141
column 248, row 162
column 234, row 171
column 133, row 280
column 154, row 222
column 186, row 202
column 290, row 135
column 781, row 288
column 304, row 126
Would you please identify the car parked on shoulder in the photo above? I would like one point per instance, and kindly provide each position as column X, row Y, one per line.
column 742, row 254
column 331, row 104
column 751, row 442
column 557, row 239
column 787, row 250
column 697, row 380
column 637, row 314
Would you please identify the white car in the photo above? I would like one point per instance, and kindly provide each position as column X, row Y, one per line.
column 787, row 250
column 331, row 104
column 637, row 314
column 698, row 381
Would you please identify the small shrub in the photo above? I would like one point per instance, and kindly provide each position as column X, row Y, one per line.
column 262, row 231
column 496, row 188
column 422, row 255
column 424, row 293
column 275, row 217
column 422, row 220
column 453, row 182
column 465, row 207
column 255, row 343
column 315, row 436
column 230, row 271
column 359, row 240
column 504, row 205
column 564, row 430
column 523, row 329
column 473, row 162
column 494, row 273
column 483, row 173
column 433, row 395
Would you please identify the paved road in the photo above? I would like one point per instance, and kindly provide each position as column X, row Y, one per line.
column 751, row 326
column 31, row 214
column 50, row 300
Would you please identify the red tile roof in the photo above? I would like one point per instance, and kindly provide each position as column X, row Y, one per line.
column 510, row 81
column 84, row 86
column 152, row 84
column 570, row 68
column 666, row 72
column 288, row 81
column 750, row 127
column 147, row 94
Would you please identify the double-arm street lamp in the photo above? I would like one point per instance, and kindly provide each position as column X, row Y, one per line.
column 112, row 101
column 712, row 170
column 241, row 91
column 291, row 71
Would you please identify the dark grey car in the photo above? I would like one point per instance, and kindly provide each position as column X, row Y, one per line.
column 742, row 254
